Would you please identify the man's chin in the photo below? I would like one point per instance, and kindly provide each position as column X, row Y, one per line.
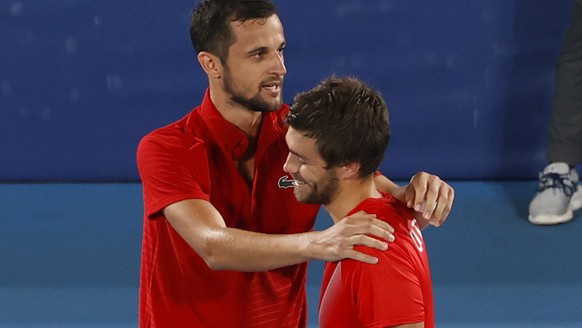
column 300, row 197
column 270, row 101
column 257, row 103
column 266, row 107
column 305, row 198
column 273, row 106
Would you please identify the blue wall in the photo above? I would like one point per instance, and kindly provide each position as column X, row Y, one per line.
column 468, row 83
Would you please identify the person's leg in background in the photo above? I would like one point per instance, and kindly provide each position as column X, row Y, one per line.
column 559, row 192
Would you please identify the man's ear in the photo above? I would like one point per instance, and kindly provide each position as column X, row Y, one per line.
column 211, row 64
column 350, row 170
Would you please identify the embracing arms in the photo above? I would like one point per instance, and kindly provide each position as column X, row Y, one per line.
column 223, row 248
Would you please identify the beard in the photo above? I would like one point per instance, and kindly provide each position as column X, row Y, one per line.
column 317, row 193
column 255, row 103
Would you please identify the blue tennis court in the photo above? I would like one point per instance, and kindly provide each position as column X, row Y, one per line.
column 70, row 258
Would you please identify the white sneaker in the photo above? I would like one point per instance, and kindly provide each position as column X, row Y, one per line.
column 559, row 195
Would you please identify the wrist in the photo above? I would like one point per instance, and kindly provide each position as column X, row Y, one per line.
column 310, row 247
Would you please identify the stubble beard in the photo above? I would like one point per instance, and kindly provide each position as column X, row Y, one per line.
column 317, row 195
column 255, row 103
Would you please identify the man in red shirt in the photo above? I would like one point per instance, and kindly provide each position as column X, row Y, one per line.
column 334, row 168
column 225, row 242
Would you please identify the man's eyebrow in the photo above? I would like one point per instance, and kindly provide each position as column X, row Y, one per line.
column 296, row 154
column 265, row 49
column 257, row 50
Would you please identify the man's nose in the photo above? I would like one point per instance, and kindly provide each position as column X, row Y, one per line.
column 291, row 164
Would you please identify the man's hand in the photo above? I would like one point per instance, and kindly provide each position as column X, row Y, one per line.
column 338, row 241
column 429, row 195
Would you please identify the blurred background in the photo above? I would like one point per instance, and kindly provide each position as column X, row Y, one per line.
column 468, row 83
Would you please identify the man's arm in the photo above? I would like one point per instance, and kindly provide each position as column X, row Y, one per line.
column 411, row 325
column 426, row 193
column 223, row 248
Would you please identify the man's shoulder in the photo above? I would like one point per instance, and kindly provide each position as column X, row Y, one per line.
column 385, row 207
column 172, row 137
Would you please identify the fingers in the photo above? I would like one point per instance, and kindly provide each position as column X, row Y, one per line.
column 359, row 256
column 410, row 195
column 431, row 196
column 443, row 208
column 362, row 223
column 367, row 241
column 338, row 241
column 348, row 250
column 416, row 190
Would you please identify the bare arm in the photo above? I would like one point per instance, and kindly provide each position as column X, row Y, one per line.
column 411, row 325
column 426, row 193
column 223, row 248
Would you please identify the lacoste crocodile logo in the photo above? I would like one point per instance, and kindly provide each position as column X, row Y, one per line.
column 285, row 182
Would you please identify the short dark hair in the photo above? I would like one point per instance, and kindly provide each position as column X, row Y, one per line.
column 348, row 119
column 210, row 28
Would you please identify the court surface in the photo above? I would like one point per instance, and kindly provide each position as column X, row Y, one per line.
column 70, row 258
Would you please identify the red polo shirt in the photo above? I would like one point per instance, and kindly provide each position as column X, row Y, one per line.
column 194, row 159
column 395, row 291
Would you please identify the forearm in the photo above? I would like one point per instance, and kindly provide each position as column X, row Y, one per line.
column 224, row 248
column 234, row 249
column 241, row 250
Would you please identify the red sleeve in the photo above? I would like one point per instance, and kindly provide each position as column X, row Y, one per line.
column 388, row 293
column 171, row 172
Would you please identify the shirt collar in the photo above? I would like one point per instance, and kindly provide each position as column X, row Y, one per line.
column 229, row 137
